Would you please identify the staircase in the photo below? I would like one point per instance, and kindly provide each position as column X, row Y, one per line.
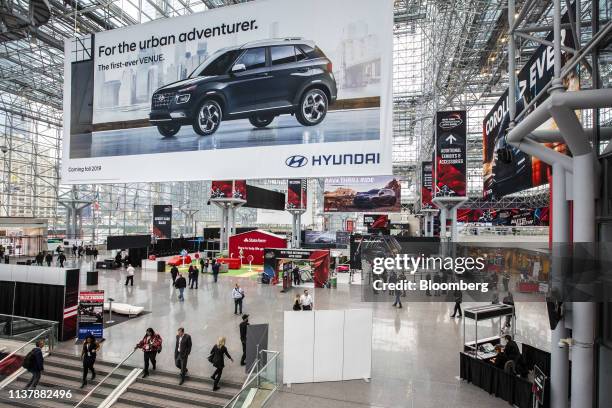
column 160, row 389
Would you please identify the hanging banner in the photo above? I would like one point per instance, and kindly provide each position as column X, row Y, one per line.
column 426, row 185
column 502, row 177
column 451, row 154
column 91, row 314
column 297, row 190
column 247, row 91
column 162, row 221
column 358, row 194
column 376, row 223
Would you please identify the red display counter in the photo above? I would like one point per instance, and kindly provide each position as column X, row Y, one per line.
column 232, row 263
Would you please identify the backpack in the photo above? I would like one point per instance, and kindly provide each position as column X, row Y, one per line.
column 159, row 350
column 29, row 360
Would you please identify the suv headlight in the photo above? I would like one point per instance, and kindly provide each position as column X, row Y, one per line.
column 182, row 98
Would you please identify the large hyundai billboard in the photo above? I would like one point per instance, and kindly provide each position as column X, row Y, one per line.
column 264, row 89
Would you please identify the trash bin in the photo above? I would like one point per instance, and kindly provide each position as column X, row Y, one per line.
column 161, row 266
column 334, row 282
column 6, row 259
column 92, row 278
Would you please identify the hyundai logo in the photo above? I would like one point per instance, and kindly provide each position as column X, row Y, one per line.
column 161, row 98
column 296, row 161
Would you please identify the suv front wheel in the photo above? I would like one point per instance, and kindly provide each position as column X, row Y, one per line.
column 261, row 121
column 168, row 130
column 208, row 118
column 313, row 107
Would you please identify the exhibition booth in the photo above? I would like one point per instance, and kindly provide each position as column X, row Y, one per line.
column 249, row 246
column 278, row 264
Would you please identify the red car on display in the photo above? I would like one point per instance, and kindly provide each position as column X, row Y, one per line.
column 178, row 260
column 343, row 268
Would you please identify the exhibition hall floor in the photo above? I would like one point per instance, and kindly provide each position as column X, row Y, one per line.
column 415, row 360
column 338, row 126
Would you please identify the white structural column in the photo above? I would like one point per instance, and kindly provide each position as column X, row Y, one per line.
column 559, row 364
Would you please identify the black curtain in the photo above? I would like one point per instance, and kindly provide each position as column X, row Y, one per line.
column 40, row 301
column 6, row 297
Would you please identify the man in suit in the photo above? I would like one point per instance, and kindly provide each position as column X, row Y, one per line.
column 243, row 337
column 181, row 352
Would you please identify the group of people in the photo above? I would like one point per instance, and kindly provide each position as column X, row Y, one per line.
column 151, row 345
column 180, row 283
column 47, row 257
column 303, row 302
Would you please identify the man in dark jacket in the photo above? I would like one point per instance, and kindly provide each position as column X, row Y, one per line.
column 174, row 273
column 61, row 258
column 181, row 284
column 243, row 337
column 39, row 259
column 194, row 277
column 215, row 269
column 458, row 299
column 182, row 351
column 37, row 364
column 49, row 258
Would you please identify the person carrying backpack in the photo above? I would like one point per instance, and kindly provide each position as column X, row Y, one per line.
column 34, row 363
column 151, row 345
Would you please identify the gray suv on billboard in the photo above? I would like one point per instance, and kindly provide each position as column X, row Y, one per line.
column 377, row 197
column 258, row 80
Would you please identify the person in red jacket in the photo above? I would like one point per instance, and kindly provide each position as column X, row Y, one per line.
column 151, row 344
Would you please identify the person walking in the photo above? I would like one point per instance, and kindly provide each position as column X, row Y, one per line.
column 94, row 252
column 194, row 277
column 238, row 296
column 61, row 258
column 398, row 300
column 39, row 259
column 296, row 276
column 151, row 345
column 458, row 299
column 182, row 351
column 297, row 303
column 181, row 284
column 34, row 363
column 88, row 355
column 243, row 337
column 202, row 265
column 215, row 270
column 190, row 276
column 130, row 275
column 174, row 273
column 306, row 301
column 49, row 258
column 217, row 358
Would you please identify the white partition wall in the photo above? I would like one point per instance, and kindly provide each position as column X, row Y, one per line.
column 298, row 347
column 328, row 345
column 357, row 344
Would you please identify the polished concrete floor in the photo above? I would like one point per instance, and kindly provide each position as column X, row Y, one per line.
column 338, row 126
column 415, row 349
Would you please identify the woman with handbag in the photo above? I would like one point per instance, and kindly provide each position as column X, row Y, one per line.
column 151, row 345
column 88, row 355
column 217, row 359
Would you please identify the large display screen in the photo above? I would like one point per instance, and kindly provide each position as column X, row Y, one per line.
column 523, row 171
column 451, row 154
column 377, row 222
column 297, row 190
column 516, row 217
column 228, row 189
column 319, row 237
column 264, row 89
column 426, row 185
column 162, row 221
column 358, row 194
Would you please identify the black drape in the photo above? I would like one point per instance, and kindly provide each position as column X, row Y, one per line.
column 511, row 388
column 6, row 297
column 39, row 301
